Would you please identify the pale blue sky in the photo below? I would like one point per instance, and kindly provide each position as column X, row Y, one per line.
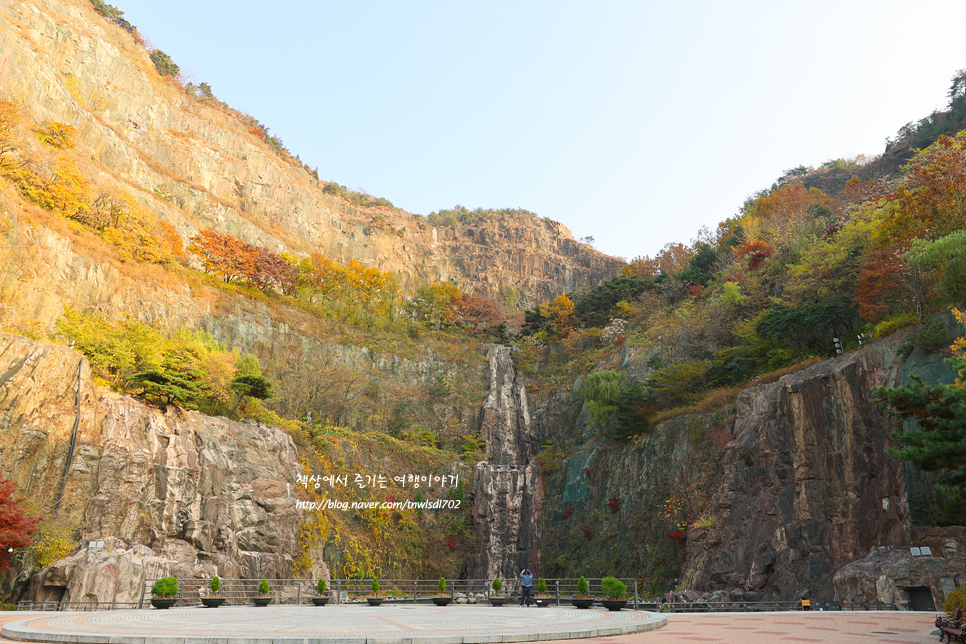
column 633, row 122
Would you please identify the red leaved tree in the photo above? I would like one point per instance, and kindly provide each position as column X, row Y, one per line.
column 224, row 256
column 15, row 526
column 272, row 271
column 477, row 312
column 757, row 251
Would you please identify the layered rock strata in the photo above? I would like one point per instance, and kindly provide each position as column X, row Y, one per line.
column 197, row 164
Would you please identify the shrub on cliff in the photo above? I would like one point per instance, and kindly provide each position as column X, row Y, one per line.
column 164, row 64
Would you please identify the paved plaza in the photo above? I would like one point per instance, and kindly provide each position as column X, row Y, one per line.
column 401, row 624
column 387, row 624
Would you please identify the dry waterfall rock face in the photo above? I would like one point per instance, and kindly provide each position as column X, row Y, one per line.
column 170, row 491
column 507, row 494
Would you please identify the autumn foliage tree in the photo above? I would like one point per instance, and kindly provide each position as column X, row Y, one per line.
column 233, row 260
column 671, row 259
column 15, row 526
column 931, row 203
column 757, row 251
column 433, row 304
column 477, row 312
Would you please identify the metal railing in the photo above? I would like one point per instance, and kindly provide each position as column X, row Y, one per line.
column 355, row 591
column 415, row 591
column 751, row 607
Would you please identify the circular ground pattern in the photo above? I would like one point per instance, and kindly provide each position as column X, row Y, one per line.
column 393, row 624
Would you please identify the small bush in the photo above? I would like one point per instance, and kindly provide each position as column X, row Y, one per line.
column 374, row 586
column 955, row 599
column 57, row 135
column 320, row 587
column 165, row 587
column 215, row 584
column 542, row 586
column 613, row 588
column 441, row 586
column 263, row 587
column 582, row 586
column 497, row 585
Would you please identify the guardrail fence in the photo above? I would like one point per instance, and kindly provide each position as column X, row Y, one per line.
column 417, row 591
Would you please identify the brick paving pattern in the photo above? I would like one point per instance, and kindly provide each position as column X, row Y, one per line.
column 451, row 625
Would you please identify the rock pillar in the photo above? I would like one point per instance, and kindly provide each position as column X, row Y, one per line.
column 506, row 488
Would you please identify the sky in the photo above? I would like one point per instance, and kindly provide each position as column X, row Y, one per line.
column 633, row 122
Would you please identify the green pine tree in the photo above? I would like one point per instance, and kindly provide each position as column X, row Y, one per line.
column 939, row 445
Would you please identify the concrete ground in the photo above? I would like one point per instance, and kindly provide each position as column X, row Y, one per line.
column 457, row 624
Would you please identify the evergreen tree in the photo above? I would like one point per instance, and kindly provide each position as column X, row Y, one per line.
column 939, row 445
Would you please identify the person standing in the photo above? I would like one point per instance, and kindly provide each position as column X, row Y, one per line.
column 526, row 586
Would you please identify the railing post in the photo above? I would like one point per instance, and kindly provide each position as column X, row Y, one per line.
column 298, row 592
column 635, row 595
column 556, row 584
column 415, row 581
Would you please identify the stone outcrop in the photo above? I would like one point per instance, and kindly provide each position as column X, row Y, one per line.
column 167, row 490
column 807, row 485
column 888, row 575
column 507, row 503
column 114, row 573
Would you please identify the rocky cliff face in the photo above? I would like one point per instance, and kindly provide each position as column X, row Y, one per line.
column 195, row 164
column 169, row 491
column 507, row 500
column 807, row 485
column 792, row 483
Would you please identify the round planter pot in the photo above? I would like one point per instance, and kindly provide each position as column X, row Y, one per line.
column 212, row 602
column 442, row 601
column 320, row 601
column 262, row 601
column 375, row 601
column 163, row 603
column 613, row 604
column 497, row 601
column 543, row 602
column 582, row 603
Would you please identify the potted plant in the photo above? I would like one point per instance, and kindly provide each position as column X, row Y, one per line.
column 376, row 597
column 497, row 598
column 442, row 598
column 320, row 599
column 164, row 592
column 214, row 598
column 263, row 598
column 615, row 593
column 543, row 598
column 582, row 599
